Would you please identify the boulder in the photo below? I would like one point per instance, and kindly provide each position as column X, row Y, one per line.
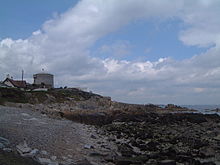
column 88, row 146
column 2, row 146
column 7, row 149
column 23, row 148
column 4, row 141
column 44, row 161
column 217, row 137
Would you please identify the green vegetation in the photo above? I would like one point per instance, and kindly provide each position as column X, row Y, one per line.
column 12, row 95
column 34, row 97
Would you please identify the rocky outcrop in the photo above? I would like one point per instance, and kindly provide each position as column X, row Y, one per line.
column 72, row 99
column 167, row 139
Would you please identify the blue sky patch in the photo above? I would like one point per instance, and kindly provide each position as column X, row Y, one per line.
column 20, row 18
column 148, row 40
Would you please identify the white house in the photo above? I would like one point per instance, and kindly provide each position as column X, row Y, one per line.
column 15, row 83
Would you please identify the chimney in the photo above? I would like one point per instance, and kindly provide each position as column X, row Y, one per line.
column 22, row 75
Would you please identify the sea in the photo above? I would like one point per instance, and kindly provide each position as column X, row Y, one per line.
column 205, row 109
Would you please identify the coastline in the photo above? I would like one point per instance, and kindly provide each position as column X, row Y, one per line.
column 129, row 137
column 97, row 131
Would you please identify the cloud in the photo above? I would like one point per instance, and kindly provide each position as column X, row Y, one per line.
column 201, row 16
column 62, row 46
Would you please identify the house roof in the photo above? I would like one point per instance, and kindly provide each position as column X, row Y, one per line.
column 17, row 83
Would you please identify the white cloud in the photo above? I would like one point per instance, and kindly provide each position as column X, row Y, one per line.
column 199, row 90
column 62, row 47
column 202, row 16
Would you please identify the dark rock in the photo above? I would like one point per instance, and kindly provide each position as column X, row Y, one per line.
column 109, row 158
column 126, row 150
column 152, row 145
column 123, row 162
column 88, row 146
column 126, row 161
column 93, row 137
column 151, row 162
column 83, row 162
column 208, row 163
column 94, row 154
column 207, row 152
column 182, row 138
column 167, row 162
column 4, row 141
column 2, row 146
column 141, row 158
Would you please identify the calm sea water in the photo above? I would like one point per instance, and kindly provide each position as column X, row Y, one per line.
column 206, row 109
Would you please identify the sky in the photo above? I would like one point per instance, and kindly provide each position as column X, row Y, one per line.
column 135, row 51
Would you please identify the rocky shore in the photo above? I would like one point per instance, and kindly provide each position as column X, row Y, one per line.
column 168, row 139
column 73, row 127
column 49, row 141
column 121, row 138
column 159, row 138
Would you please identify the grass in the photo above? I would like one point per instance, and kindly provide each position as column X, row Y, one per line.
column 12, row 95
column 36, row 97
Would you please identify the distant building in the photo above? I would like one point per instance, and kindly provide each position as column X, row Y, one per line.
column 43, row 80
column 14, row 83
column 3, row 85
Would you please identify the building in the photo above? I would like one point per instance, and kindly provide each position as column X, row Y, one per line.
column 14, row 83
column 43, row 80
column 3, row 85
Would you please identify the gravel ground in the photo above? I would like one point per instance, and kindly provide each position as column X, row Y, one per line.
column 65, row 140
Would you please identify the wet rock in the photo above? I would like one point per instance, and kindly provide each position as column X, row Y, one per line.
column 207, row 152
column 83, row 162
column 151, row 162
column 217, row 137
column 44, row 152
column 208, row 163
column 126, row 161
column 7, row 149
column 109, row 158
column 182, row 138
column 44, row 161
column 109, row 163
column 123, row 162
column 3, row 142
column 94, row 154
column 69, row 161
column 54, row 163
column 152, row 145
column 23, row 148
column 93, row 137
column 126, row 150
column 53, row 157
column 34, row 152
column 2, row 146
column 167, row 162
column 88, row 146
